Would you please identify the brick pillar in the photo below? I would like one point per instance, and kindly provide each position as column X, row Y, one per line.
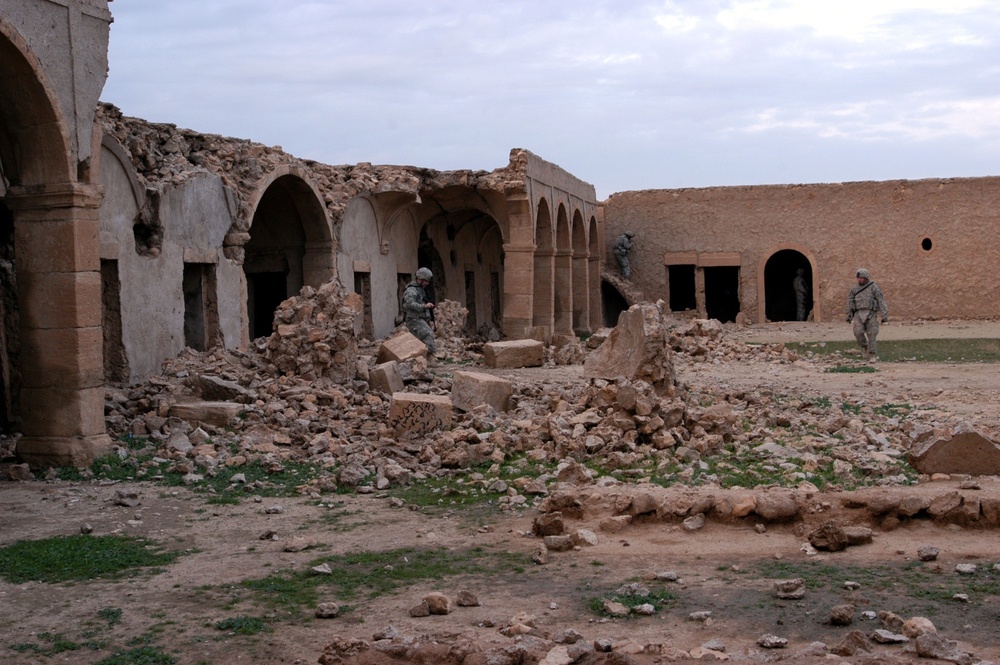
column 563, row 305
column 59, row 297
column 594, row 291
column 518, row 266
column 581, row 294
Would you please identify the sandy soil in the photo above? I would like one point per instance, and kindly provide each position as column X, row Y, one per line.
column 725, row 569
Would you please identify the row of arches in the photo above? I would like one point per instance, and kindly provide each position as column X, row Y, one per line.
column 566, row 284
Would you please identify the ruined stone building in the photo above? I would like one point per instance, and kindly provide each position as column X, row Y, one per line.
column 731, row 253
column 125, row 242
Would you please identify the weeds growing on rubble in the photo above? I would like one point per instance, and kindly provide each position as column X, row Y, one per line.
column 632, row 595
column 225, row 485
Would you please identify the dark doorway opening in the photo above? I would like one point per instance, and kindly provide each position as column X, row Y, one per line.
column 363, row 287
column 722, row 293
column 265, row 291
column 471, row 325
column 428, row 257
column 614, row 303
column 779, row 285
column 10, row 374
column 201, row 312
column 496, row 300
column 682, row 292
column 115, row 360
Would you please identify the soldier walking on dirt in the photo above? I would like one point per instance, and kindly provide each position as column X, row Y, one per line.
column 865, row 308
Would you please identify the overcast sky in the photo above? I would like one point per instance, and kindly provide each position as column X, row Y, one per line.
column 624, row 94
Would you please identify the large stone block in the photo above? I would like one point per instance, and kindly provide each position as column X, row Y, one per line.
column 471, row 389
column 385, row 378
column 58, row 245
column 401, row 347
column 420, row 414
column 515, row 353
column 636, row 349
column 63, row 358
column 969, row 452
column 218, row 414
column 62, row 412
column 60, row 299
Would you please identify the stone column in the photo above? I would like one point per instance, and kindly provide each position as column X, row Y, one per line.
column 61, row 343
column 594, row 291
column 581, row 294
column 518, row 267
column 563, row 323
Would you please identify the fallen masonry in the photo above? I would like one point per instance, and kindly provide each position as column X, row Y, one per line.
column 628, row 449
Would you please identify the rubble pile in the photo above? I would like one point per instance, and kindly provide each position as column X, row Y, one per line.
column 165, row 156
column 300, row 400
column 314, row 334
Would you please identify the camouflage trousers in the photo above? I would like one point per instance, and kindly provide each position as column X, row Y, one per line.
column 624, row 265
column 422, row 331
column 866, row 330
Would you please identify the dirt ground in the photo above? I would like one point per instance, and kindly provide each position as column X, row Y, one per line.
column 723, row 569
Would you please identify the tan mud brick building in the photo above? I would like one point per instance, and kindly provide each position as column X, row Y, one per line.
column 731, row 253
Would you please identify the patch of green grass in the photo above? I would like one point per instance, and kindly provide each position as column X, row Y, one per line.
column 976, row 350
column 851, row 369
column 242, row 625
column 377, row 573
column 113, row 615
column 146, row 655
column 892, row 410
column 658, row 598
column 80, row 557
column 52, row 644
column 911, row 580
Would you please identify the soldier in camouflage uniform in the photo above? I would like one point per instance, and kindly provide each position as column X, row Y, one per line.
column 417, row 309
column 865, row 307
column 623, row 245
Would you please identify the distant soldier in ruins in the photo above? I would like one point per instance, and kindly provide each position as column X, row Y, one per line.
column 801, row 290
column 418, row 309
column 865, row 308
column 622, row 248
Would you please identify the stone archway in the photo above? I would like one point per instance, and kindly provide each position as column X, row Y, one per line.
column 543, row 291
column 778, row 274
column 45, row 150
column 290, row 247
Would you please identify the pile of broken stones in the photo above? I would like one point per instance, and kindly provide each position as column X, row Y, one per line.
column 301, row 395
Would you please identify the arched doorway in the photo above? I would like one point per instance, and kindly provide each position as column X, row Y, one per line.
column 780, row 273
column 543, row 289
column 614, row 303
column 289, row 248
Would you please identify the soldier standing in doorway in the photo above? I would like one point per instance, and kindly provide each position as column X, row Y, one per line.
column 801, row 289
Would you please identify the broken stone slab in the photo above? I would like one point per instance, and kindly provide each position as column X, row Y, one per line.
column 419, row 414
column 401, row 347
column 216, row 389
column 218, row 414
column 792, row 589
column 472, row 389
column 514, row 353
column 385, row 378
column 636, row 349
column 968, row 452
